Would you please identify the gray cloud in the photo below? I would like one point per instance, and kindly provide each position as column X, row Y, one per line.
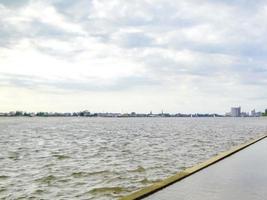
column 88, row 85
column 215, row 43
column 133, row 40
column 15, row 3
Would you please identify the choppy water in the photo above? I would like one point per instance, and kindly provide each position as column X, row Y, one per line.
column 105, row 158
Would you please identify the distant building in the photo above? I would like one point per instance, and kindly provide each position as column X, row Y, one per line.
column 258, row 114
column 11, row 113
column 85, row 113
column 228, row 114
column 255, row 114
column 32, row 114
column 244, row 114
column 133, row 114
column 236, row 112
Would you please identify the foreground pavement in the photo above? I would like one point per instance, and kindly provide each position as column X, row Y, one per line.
column 243, row 175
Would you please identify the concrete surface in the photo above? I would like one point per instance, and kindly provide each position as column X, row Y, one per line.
column 241, row 176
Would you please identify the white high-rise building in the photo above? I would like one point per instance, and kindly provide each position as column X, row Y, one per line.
column 253, row 113
column 236, row 111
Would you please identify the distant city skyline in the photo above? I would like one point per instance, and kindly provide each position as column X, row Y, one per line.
column 234, row 112
column 238, row 112
column 124, row 56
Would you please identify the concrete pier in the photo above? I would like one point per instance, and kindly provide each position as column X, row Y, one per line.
column 238, row 175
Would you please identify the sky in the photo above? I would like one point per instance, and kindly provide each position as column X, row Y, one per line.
column 179, row 56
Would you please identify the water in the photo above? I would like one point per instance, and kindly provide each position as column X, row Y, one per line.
column 105, row 158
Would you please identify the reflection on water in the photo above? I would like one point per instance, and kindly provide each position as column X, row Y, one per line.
column 105, row 158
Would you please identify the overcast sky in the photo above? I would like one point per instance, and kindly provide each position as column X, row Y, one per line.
column 139, row 55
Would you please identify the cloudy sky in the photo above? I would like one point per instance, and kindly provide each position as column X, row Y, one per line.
column 139, row 55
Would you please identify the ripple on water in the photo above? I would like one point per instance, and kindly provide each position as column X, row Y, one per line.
column 3, row 190
column 3, row 177
column 61, row 157
column 146, row 181
column 13, row 155
column 139, row 169
column 82, row 174
column 108, row 190
column 47, row 179
column 110, row 157
column 103, row 193
column 39, row 191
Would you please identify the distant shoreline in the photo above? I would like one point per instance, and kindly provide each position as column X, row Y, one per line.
column 127, row 117
column 87, row 113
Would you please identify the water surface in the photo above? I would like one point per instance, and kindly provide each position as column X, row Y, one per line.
column 105, row 158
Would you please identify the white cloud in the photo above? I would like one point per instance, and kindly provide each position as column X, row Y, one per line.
column 178, row 55
column 42, row 12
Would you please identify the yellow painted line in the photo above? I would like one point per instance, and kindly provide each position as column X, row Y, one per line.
column 187, row 172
